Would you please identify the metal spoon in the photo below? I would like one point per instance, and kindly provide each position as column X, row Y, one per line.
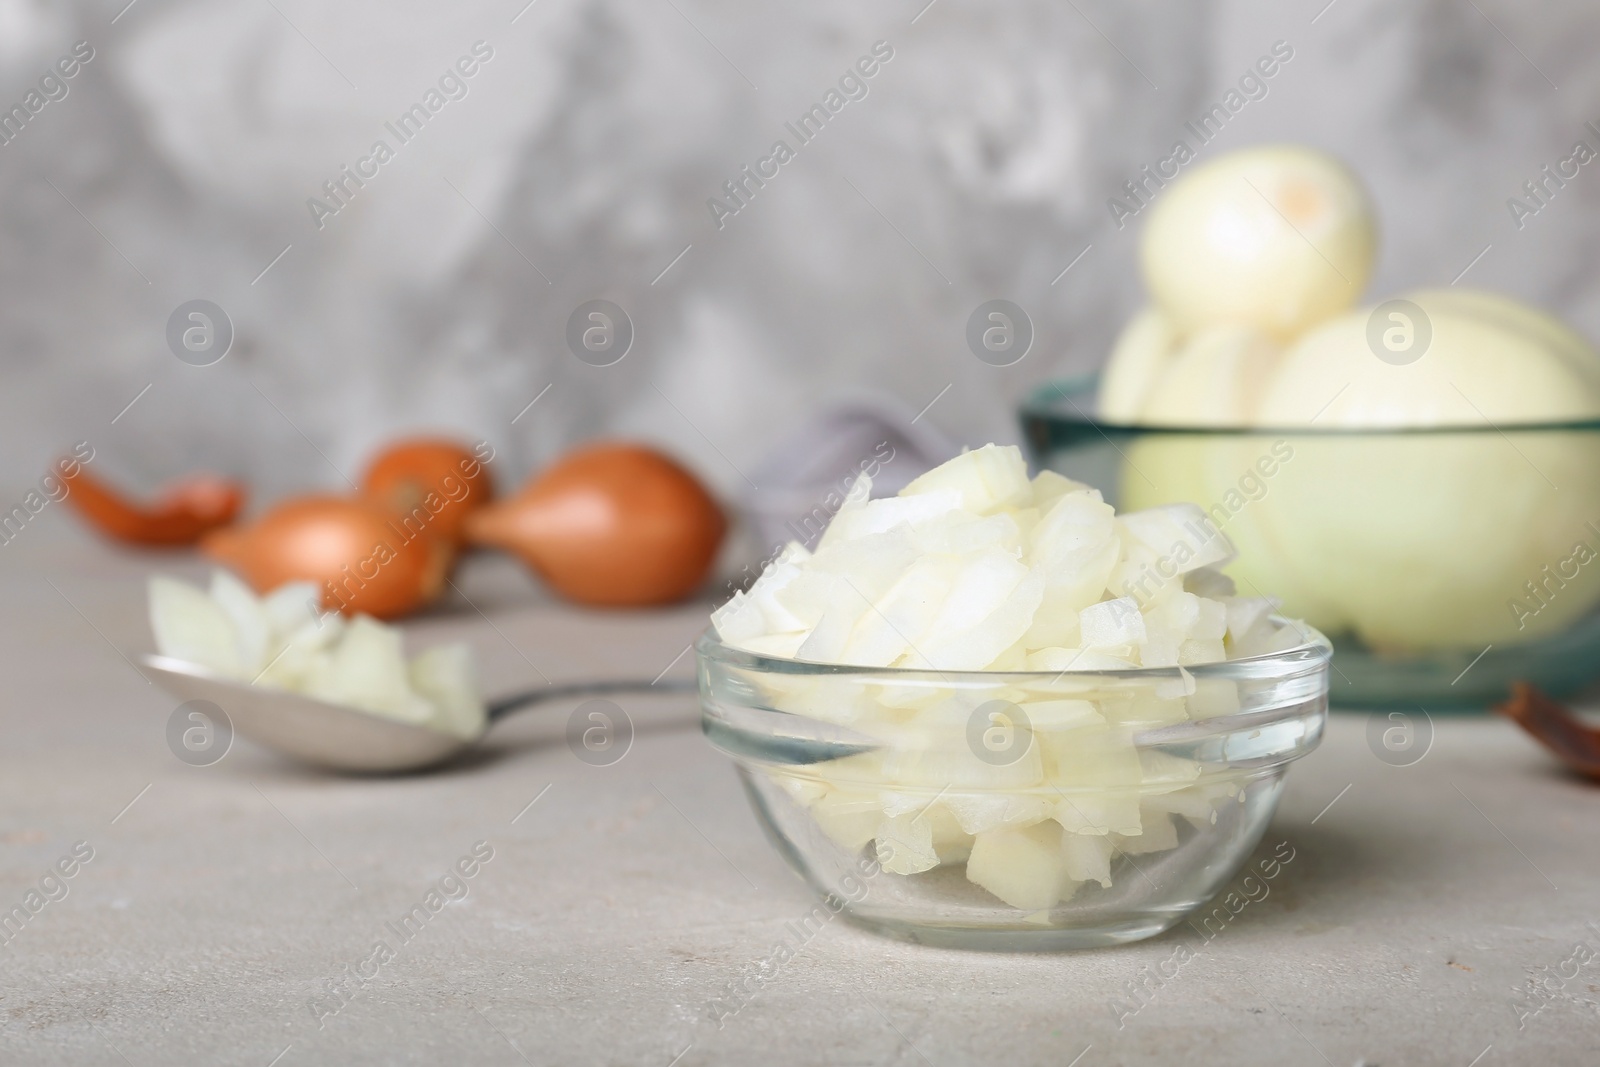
column 341, row 738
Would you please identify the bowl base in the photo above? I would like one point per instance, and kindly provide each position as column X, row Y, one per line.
column 1023, row 937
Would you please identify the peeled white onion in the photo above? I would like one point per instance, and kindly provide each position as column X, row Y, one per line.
column 1215, row 379
column 1429, row 540
column 1483, row 364
column 1413, row 541
column 1138, row 360
column 1278, row 237
column 1516, row 317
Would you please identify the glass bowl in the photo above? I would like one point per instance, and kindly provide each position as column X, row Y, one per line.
column 1444, row 563
column 1029, row 810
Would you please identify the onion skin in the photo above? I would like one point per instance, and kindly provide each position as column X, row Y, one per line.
column 365, row 561
column 183, row 514
column 615, row 525
column 402, row 477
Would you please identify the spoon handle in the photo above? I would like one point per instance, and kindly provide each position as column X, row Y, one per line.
column 499, row 709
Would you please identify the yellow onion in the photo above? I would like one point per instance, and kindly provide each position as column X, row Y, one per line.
column 431, row 483
column 611, row 524
column 361, row 557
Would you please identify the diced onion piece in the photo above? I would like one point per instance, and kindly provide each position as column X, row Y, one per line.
column 1192, row 653
column 780, row 646
column 292, row 605
column 1026, row 868
column 1243, row 613
column 1209, row 582
column 1095, row 813
column 368, row 670
column 978, row 813
column 1088, row 857
column 1157, row 834
column 1182, row 535
column 851, row 819
column 251, row 627
column 1111, row 624
column 882, row 515
column 444, row 676
column 189, row 625
column 950, row 841
column 988, row 479
column 855, row 499
column 1049, row 486
column 905, row 613
column 905, row 845
column 981, row 586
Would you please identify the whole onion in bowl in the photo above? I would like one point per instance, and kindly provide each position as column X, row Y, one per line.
column 1430, row 504
column 1276, row 236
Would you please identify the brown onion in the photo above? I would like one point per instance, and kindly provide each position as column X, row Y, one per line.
column 362, row 557
column 611, row 524
column 431, row 483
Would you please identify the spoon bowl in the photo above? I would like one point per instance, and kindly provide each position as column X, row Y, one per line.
column 337, row 737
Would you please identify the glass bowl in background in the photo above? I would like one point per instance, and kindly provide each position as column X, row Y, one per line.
column 1444, row 563
column 1035, row 810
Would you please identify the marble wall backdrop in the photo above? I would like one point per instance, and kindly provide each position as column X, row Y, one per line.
column 185, row 156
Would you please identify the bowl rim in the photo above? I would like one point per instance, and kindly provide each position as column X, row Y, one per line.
column 1316, row 651
column 1042, row 403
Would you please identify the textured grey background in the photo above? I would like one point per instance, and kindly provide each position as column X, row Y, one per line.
column 978, row 166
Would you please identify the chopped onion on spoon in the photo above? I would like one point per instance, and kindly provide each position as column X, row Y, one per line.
column 285, row 641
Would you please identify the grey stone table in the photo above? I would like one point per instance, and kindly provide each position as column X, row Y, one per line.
column 1440, row 913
